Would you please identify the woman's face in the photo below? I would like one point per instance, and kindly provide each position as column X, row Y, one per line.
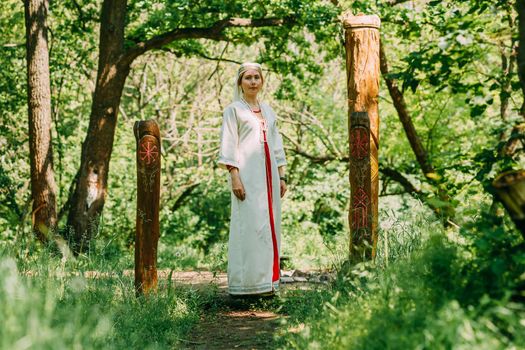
column 251, row 82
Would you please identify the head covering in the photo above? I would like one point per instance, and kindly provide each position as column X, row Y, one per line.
column 237, row 92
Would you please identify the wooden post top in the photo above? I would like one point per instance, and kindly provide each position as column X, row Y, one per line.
column 360, row 119
column 146, row 127
column 360, row 21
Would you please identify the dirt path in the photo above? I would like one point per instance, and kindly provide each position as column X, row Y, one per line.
column 235, row 325
column 235, row 329
column 239, row 323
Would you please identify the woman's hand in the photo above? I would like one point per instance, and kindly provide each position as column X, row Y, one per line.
column 283, row 188
column 237, row 186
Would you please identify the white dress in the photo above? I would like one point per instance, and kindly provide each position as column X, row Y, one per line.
column 253, row 247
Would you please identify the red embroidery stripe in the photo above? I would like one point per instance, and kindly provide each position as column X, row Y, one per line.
column 276, row 268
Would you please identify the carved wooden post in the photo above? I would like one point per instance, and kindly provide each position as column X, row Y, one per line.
column 362, row 66
column 510, row 189
column 147, row 135
column 360, row 215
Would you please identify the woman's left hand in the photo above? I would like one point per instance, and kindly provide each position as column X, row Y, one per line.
column 283, row 188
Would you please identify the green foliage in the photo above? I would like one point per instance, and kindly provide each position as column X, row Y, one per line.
column 499, row 254
column 449, row 59
column 286, row 49
column 422, row 301
column 51, row 305
column 441, row 50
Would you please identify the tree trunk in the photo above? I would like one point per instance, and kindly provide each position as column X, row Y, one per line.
column 91, row 187
column 404, row 117
column 362, row 66
column 520, row 8
column 43, row 186
column 445, row 212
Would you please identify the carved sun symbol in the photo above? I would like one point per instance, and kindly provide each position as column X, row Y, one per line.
column 148, row 152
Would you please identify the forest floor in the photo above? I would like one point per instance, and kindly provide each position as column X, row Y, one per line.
column 241, row 323
column 234, row 326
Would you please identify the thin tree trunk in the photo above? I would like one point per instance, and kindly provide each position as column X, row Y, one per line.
column 91, row 187
column 506, row 90
column 447, row 212
column 507, row 67
column 43, row 186
column 520, row 8
column 404, row 117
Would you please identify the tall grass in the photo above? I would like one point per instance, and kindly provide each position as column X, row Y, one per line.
column 49, row 303
column 418, row 297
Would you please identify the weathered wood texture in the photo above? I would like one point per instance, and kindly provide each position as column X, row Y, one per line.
column 362, row 67
column 361, row 216
column 510, row 189
column 43, row 186
column 147, row 136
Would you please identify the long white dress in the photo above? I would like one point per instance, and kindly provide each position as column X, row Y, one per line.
column 253, row 252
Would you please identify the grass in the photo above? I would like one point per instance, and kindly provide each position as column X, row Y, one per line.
column 49, row 304
column 420, row 301
column 428, row 289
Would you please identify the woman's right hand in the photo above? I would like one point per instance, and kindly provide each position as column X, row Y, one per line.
column 237, row 186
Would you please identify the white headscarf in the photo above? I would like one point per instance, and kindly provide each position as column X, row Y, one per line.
column 237, row 91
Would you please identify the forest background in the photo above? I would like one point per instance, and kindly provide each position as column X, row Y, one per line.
column 451, row 120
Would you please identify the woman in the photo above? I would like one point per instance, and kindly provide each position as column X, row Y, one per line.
column 252, row 150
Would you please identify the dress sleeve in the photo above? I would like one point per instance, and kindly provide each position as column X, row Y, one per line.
column 228, row 150
column 278, row 148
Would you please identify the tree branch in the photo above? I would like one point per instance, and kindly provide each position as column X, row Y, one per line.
column 401, row 179
column 322, row 159
column 396, row 2
column 9, row 45
column 214, row 32
column 297, row 149
column 201, row 55
column 183, row 194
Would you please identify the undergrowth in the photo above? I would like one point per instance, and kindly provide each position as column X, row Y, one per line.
column 442, row 295
column 48, row 303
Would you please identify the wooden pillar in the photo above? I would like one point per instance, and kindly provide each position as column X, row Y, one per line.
column 362, row 67
column 147, row 135
column 510, row 189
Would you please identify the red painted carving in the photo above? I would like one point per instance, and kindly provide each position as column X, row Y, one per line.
column 360, row 140
column 360, row 198
column 360, row 210
column 360, row 217
column 148, row 152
